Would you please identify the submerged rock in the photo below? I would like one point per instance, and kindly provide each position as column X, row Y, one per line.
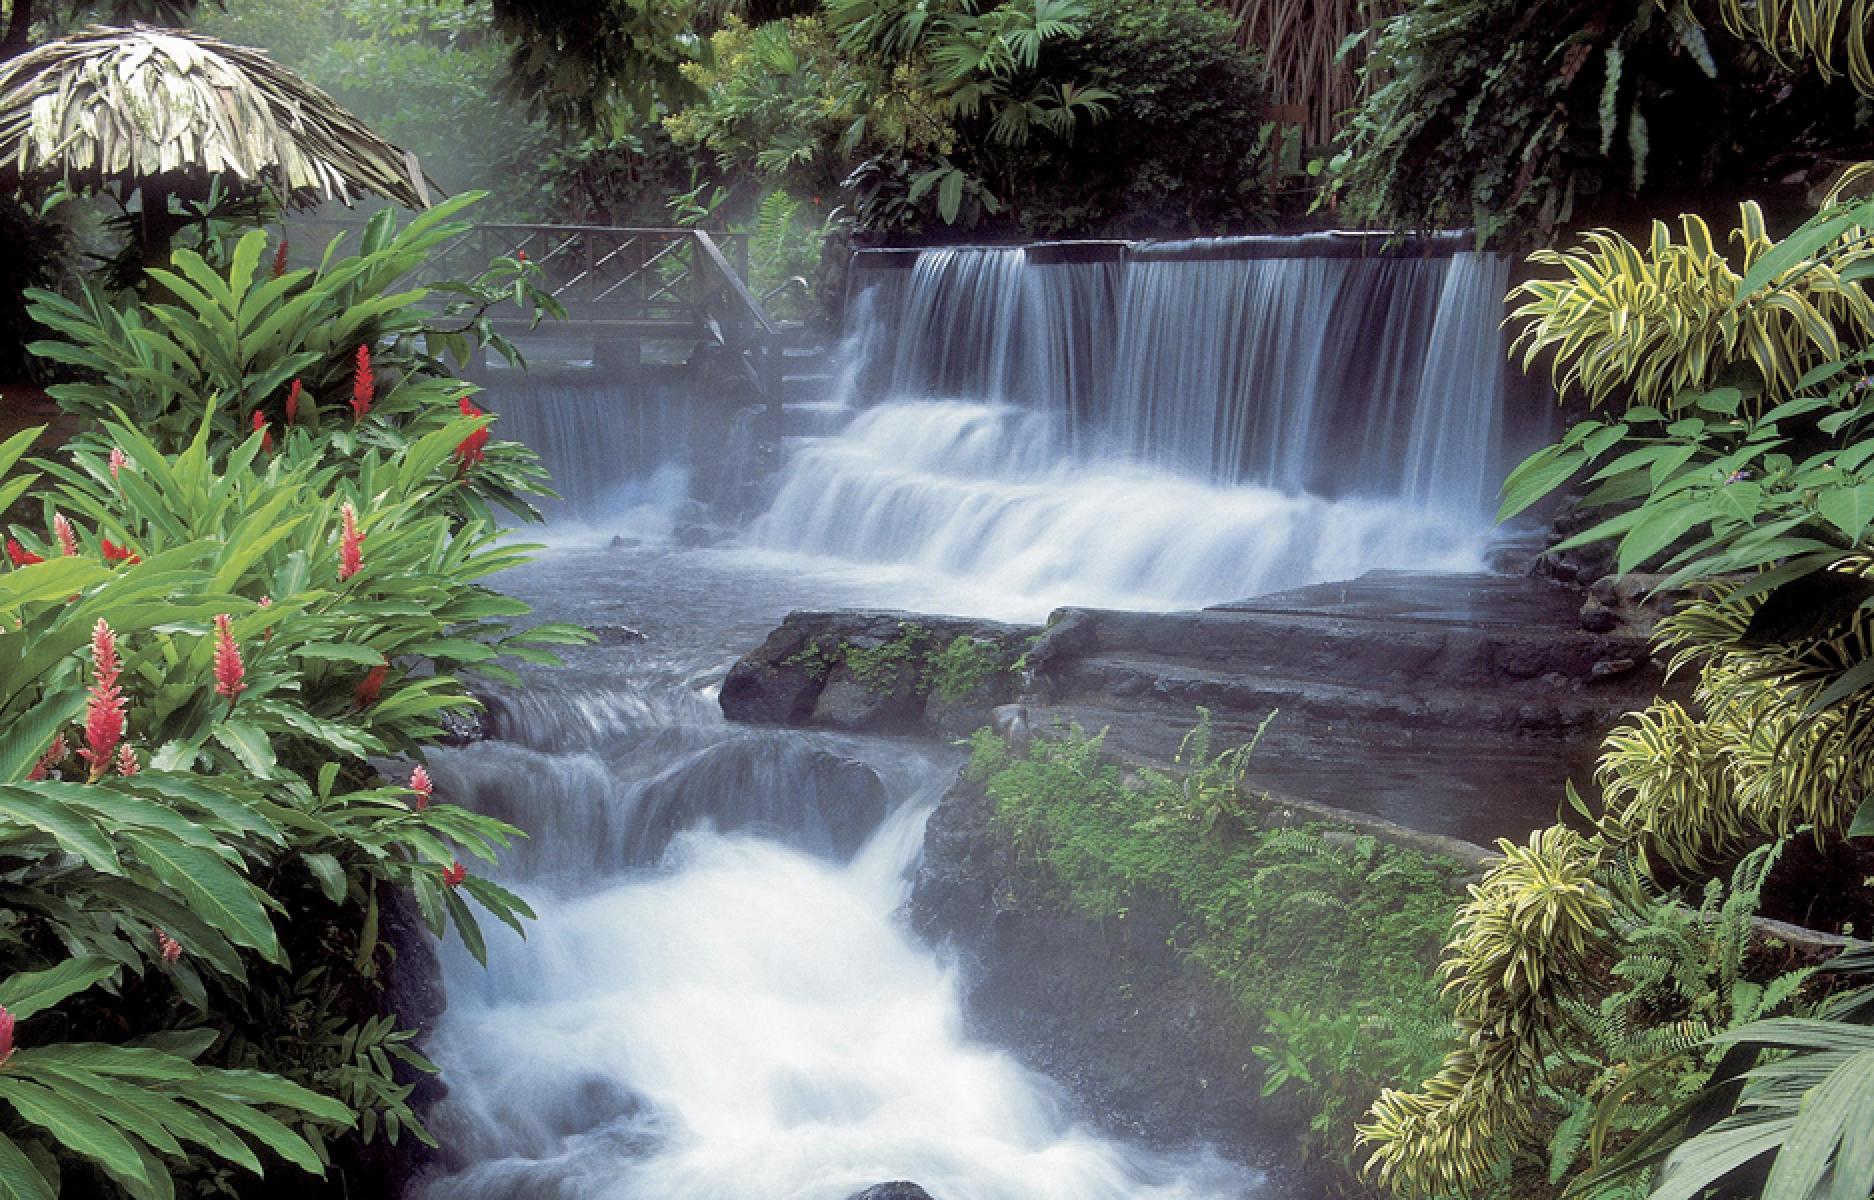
column 898, row 1190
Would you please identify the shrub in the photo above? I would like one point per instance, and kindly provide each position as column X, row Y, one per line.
column 214, row 630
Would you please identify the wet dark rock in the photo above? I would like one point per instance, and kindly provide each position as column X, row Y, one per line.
column 898, row 1190
column 616, row 635
column 1629, row 605
column 804, row 674
column 1145, row 1044
column 460, row 728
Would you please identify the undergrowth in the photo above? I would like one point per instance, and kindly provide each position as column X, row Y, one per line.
column 1329, row 937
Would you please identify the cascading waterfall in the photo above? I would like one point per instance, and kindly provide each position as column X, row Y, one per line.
column 717, row 1002
column 1180, row 424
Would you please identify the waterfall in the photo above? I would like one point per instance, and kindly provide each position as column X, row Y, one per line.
column 718, row 1000
column 1160, row 425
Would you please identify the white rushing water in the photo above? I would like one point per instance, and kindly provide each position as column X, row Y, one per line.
column 719, row 1000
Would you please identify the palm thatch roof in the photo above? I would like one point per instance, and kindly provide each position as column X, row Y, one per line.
column 136, row 104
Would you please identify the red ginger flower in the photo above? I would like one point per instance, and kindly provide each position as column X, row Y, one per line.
column 350, row 543
column 68, row 540
column 266, row 434
column 279, row 259
column 292, row 402
column 21, row 556
column 170, row 948
column 454, row 874
column 118, row 461
column 6, row 1036
column 520, row 256
column 54, row 755
column 368, row 688
column 363, row 386
column 116, row 553
column 127, row 761
column 421, row 785
column 229, row 670
column 472, row 448
column 104, row 711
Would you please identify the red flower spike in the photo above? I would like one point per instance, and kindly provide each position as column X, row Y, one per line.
column 116, row 553
column 363, row 386
column 421, row 785
column 21, row 556
column 127, row 761
column 104, row 711
column 350, row 543
column 520, row 256
column 6, row 1036
column 266, row 434
column 473, row 447
column 368, row 688
column 68, row 540
column 279, row 259
column 169, row 947
column 54, row 755
column 118, row 461
column 229, row 670
column 292, row 402
column 454, row 874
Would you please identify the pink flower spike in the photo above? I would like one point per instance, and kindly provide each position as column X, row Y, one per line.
column 279, row 259
column 454, row 874
column 266, row 434
column 363, row 385
column 127, row 761
column 21, row 556
column 118, row 461
column 229, row 670
column 292, row 402
column 104, row 711
column 350, row 543
column 54, row 755
column 68, row 540
column 170, row 948
column 6, row 1036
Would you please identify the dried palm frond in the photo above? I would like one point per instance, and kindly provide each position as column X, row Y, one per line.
column 130, row 105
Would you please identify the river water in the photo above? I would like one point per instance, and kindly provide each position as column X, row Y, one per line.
column 718, row 1001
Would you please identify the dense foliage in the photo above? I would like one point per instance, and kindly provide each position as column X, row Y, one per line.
column 233, row 604
column 1517, row 118
column 1738, row 463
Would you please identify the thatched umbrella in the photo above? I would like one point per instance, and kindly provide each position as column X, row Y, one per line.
column 166, row 110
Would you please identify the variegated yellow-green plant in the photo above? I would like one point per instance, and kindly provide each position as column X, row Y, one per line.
column 1518, row 954
column 1796, row 32
column 1645, row 324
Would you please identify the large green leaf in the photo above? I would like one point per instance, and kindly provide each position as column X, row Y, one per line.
column 33, row 991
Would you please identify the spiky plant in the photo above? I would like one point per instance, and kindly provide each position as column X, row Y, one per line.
column 1305, row 45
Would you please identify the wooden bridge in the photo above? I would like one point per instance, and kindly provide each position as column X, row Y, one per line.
column 623, row 287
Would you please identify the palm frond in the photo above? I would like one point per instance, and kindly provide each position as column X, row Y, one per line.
column 128, row 105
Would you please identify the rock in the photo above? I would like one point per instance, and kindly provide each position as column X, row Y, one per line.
column 874, row 671
column 621, row 542
column 1010, row 721
column 617, row 635
column 1614, row 668
column 846, row 703
column 1629, row 605
column 897, row 1190
column 1146, row 1045
column 462, row 727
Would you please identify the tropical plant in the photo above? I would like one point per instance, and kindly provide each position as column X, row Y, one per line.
column 1518, row 118
column 1313, row 52
column 1808, row 32
column 1519, row 955
column 348, row 353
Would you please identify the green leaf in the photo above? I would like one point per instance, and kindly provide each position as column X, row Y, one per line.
column 32, row 991
column 249, row 744
column 330, row 875
column 27, row 737
column 213, row 890
column 1849, row 509
column 75, row 1127
column 1656, row 532
column 19, row 1179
